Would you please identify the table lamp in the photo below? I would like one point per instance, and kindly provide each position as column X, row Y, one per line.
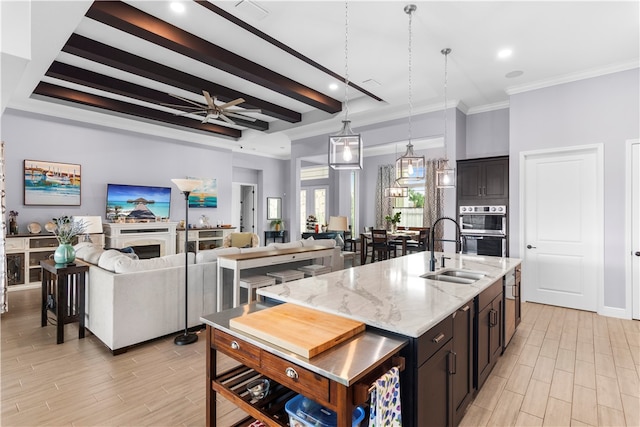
column 92, row 224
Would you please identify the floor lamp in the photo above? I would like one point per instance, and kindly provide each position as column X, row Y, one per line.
column 186, row 186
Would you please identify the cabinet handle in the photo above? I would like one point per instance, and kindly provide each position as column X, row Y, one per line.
column 492, row 318
column 514, row 291
column 291, row 373
column 453, row 363
column 438, row 338
column 235, row 345
column 465, row 308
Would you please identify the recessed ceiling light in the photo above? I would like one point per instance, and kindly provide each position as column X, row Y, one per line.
column 177, row 6
column 514, row 73
column 333, row 86
column 504, row 53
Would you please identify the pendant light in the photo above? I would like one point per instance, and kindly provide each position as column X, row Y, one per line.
column 397, row 191
column 445, row 175
column 345, row 148
column 409, row 167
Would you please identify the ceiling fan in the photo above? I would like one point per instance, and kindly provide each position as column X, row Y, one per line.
column 213, row 110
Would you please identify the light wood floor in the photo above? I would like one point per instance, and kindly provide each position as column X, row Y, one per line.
column 564, row 367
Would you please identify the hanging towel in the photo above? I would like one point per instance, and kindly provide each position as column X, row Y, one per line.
column 385, row 409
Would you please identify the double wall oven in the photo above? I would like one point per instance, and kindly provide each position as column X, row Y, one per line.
column 484, row 230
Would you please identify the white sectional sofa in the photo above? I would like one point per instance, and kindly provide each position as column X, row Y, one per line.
column 131, row 301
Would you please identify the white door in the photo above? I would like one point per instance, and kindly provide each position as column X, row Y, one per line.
column 563, row 225
column 634, row 196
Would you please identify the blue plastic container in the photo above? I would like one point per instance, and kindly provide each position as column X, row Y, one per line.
column 305, row 412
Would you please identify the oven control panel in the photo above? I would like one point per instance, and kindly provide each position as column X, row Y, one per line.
column 483, row 209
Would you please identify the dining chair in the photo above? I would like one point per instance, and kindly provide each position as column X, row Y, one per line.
column 421, row 243
column 381, row 247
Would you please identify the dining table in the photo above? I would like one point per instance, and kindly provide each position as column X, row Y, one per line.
column 400, row 235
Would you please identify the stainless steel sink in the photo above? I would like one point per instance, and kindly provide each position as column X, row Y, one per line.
column 455, row 276
column 463, row 274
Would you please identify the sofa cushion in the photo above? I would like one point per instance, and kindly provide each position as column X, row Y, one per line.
column 128, row 265
column 211, row 255
column 108, row 259
column 329, row 243
column 256, row 249
column 90, row 255
column 289, row 245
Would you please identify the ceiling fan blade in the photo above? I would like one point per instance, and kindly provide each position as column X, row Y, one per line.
column 209, row 99
column 187, row 100
column 231, row 103
column 227, row 119
column 240, row 116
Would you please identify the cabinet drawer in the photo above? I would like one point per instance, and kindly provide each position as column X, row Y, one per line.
column 432, row 340
column 236, row 348
column 15, row 244
column 299, row 379
column 489, row 294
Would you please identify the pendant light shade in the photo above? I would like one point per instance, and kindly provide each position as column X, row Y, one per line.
column 345, row 148
column 396, row 192
column 409, row 167
column 445, row 174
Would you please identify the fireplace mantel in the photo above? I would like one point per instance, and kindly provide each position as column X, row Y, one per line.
column 121, row 235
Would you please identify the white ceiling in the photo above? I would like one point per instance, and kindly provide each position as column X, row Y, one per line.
column 552, row 42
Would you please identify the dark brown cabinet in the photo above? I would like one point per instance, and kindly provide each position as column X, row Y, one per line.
column 483, row 180
column 489, row 331
column 435, row 388
column 462, row 376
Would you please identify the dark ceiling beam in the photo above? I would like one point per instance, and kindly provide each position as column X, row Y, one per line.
column 99, row 52
column 266, row 37
column 65, row 94
column 131, row 20
column 88, row 78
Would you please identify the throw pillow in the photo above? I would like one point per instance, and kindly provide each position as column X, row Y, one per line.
column 241, row 240
column 91, row 255
column 108, row 259
column 339, row 240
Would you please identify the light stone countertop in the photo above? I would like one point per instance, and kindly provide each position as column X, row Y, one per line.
column 391, row 295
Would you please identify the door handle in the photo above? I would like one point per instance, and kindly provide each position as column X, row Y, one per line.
column 638, row 253
column 531, row 247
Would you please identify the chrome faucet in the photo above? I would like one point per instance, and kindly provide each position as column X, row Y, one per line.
column 432, row 240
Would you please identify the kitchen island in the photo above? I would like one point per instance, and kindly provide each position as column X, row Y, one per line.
column 440, row 320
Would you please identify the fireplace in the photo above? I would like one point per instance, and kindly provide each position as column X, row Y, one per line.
column 148, row 239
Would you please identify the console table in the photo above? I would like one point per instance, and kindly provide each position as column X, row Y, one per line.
column 238, row 262
column 273, row 235
column 63, row 294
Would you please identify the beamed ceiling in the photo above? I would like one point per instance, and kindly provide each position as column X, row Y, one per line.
column 121, row 64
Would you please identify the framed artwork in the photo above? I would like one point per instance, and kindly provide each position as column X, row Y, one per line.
column 206, row 195
column 51, row 183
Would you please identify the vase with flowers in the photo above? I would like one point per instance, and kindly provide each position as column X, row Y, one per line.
column 394, row 220
column 13, row 222
column 66, row 229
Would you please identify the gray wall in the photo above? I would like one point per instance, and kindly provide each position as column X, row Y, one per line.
column 602, row 110
column 487, row 135
column 111, row 156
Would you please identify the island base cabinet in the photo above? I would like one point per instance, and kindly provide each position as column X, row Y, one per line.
column 489, row 331
column 435, row 389
column 462, row 376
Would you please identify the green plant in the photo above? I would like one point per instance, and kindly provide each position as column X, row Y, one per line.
column 276, row 223
column 393, row 219
column 66, row 229
column 416, row 198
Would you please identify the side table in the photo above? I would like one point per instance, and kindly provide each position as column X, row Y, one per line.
column 63, row 293
column 282, row 234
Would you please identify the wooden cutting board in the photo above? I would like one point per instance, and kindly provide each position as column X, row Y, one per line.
column 301, row 330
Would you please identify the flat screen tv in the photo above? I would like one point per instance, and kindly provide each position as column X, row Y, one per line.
column 137, row 202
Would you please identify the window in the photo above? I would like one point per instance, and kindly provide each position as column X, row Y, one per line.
column 313, row 201
column 303, row 209
column 411, row 207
